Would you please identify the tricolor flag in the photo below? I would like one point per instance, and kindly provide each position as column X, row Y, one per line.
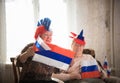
column 89, row 68
column 106, row 67
column 52, row 55
column 108, row 72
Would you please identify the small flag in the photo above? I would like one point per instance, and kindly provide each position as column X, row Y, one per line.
column 106, row 67
column 108, row 72
column 53, row 55
column 89, row 68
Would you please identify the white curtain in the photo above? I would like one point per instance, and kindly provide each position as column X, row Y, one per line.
column 2, row 40
column 20, row 26
column 8, row 18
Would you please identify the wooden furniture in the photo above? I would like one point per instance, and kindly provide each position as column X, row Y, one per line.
column 16, row 70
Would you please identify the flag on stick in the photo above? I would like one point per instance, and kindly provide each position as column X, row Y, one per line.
column 52, row 55
column 106, row 67
column 89, row 68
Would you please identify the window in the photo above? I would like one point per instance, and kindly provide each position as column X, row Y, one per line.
column 57, row 11
column 21, row 24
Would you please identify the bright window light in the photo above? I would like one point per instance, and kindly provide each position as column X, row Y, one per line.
column 19, row 26
column 56, row 11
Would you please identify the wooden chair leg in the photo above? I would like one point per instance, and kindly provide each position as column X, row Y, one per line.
column 16, row 78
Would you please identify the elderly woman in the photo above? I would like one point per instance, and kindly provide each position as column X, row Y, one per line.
column 89, row 70
column 35, row 72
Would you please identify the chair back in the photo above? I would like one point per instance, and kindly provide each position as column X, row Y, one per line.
column 16, row 70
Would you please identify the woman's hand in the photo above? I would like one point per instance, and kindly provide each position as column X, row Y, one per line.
column 74, row 67
column 30, row 51
column 75, row 74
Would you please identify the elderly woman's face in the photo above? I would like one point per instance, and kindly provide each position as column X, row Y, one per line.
column 47, row 36
column 77, row 47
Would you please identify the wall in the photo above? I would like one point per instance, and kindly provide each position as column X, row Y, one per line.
column 92, row 16
column 99, row 20
column 116, row 35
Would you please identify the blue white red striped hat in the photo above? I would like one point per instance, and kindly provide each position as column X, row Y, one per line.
column 79, row 39
column 42, row 26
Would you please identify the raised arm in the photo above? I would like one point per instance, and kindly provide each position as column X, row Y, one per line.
column 25, row 53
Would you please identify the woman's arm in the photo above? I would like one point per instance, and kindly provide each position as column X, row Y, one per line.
column 61, row 76
column 24, row 56
column 25, row 53
column 66, row 76
column 72, row 73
